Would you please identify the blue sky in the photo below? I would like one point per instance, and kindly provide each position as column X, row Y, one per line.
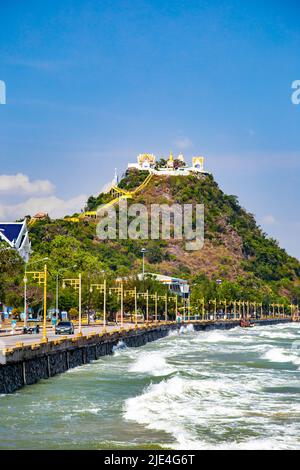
column 90, row 84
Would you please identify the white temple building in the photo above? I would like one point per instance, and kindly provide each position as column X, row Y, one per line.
column 174, row 166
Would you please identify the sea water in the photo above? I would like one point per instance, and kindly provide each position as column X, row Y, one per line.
column 236, row 389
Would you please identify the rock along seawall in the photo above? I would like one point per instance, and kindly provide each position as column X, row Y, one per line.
column 26, row 365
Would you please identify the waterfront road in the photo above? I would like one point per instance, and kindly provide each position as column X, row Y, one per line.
column 10, row 341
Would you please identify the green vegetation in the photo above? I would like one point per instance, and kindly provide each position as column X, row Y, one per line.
column 132, row 179
column 262, row 255
column 251, row 265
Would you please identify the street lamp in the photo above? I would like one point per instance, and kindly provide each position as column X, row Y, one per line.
column 57, row 287
column 76, row 284
column 119, row 291
column 214, row 302
column 147, row 296
column 155, row 298
column 218, row 282
column 132, row 293
column 102, row 289
column 25, row 286
column 41, row 278
column 144, row 251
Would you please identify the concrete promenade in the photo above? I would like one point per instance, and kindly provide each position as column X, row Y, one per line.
column 10, row 340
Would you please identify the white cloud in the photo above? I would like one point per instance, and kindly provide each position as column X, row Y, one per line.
column 269, row 219
column 183, row 143
column 53, row 205
column 21, row 184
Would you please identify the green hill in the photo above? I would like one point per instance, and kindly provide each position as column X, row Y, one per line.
column 236, row 250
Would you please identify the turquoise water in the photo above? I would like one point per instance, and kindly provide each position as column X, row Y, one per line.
column 235, row 389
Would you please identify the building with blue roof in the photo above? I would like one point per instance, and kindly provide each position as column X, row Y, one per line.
column 15, row 234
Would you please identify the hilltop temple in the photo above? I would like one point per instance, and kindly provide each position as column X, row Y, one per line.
column 171, row 166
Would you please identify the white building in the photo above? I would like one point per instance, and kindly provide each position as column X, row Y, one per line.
column 147, row 161
column 15, row 234
column 176, row 285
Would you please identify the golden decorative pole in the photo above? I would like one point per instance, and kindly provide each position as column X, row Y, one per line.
column 240, row 310
column 41, row 278
column 254, row 305
column 102, row 289
column 122, row 305
column 165, row 298
column 166, row 309
column 153, row 297
column 79, row 297
column 76, row 284
column 214, row 301
column 120, row 293
column 273, row 310
column 203, row 307
column 234, row 309
column 175, row 300
column 147, row 296
column 45, row 305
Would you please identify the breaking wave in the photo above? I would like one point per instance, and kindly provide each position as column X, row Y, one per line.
column 153, row 364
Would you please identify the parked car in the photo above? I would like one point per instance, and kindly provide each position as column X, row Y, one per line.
column 64, row 328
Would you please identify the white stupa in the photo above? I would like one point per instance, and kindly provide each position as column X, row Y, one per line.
column 108, row 186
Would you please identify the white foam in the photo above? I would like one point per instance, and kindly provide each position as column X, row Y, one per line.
column 277, row 334
column 176, row 405
column 93, row 411
column 153, row 364
column 119, row 345
column 173, row 333
column 251, row 444
column 190, row 328
column 281, row 356
column 214, row 337
column 185, row 407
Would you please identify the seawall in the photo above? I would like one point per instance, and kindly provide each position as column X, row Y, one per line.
column 26, row 365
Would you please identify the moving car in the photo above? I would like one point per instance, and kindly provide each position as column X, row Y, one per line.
column 64, row 328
